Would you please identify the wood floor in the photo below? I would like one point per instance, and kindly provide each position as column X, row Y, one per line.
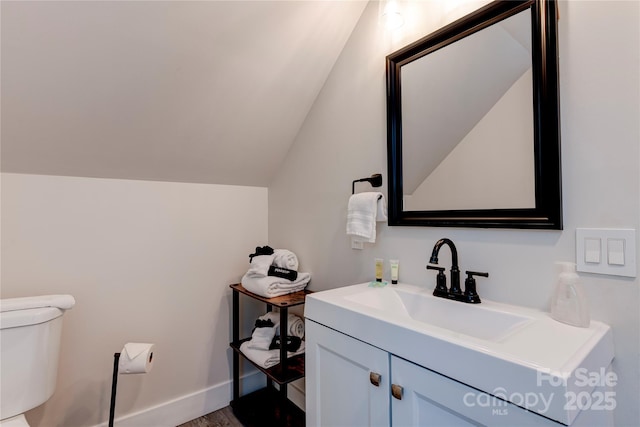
column 221, row 418
column 256, row 410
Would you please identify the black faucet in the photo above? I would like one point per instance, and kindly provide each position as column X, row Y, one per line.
column 455, row 291
column 470, row 295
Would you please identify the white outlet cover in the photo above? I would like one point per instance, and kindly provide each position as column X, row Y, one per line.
column 356, row 243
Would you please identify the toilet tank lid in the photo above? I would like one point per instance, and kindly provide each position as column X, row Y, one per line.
column 32, row 316
column 24, row 311
column 63, row 302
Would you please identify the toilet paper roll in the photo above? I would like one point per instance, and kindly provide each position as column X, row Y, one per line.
column 136, row 358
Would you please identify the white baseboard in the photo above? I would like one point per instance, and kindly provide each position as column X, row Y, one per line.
column 190, row 406
column 295, row 393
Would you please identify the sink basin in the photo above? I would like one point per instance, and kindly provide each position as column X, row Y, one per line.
column 487, row 323
column 473, row 320
column 493, row 347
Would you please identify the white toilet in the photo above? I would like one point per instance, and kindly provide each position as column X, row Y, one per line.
column 30, row 344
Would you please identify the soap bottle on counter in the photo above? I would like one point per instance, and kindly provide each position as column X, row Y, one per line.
column 569, row 303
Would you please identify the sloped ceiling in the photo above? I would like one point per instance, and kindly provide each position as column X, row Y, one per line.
column 185, row 91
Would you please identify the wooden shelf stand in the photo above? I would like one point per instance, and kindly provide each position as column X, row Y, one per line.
column 281, row 410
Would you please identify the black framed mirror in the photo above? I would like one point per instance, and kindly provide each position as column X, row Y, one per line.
column 473, row 126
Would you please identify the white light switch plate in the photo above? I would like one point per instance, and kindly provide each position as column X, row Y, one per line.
column 592, row 250
column 617, row 256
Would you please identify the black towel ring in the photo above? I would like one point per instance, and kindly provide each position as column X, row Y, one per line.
column 375, row 180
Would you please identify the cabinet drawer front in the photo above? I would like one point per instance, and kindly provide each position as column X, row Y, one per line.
column 339, row 386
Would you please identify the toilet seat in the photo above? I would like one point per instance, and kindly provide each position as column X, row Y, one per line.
column 17, row 421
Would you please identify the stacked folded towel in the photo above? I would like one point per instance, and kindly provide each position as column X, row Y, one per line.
column 268, row 358
column 273, row 273
column 363, row 211
column 264, row 346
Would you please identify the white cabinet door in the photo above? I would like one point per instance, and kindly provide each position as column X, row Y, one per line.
column 431, row 399
column 340, row 372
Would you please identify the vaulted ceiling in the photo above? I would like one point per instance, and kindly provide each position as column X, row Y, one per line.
column 185, row 91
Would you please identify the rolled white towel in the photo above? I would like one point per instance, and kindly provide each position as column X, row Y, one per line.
column 267, row 358
column 295, row 324
column 284, row 258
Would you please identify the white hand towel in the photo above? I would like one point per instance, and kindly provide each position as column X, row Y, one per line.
column 284, row 258
column 295, row 324
column 268, row 358
column 363, row 211
column 272, row 286
column 261, row 337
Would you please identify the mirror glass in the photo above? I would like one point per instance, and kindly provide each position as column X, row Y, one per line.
column 484, row 127
column 467, row 110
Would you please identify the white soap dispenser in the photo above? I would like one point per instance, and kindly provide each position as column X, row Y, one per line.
column 569, row 303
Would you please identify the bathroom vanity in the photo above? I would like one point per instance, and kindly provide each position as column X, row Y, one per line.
column 397, row 356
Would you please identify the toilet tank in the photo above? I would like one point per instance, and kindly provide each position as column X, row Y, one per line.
column 30, row 345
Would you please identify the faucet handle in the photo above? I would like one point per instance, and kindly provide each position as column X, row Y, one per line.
column 441, row 282
column 470, row 273
column 470, row 294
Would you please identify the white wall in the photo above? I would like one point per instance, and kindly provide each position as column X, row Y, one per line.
column 343, row 139
column 147, row 262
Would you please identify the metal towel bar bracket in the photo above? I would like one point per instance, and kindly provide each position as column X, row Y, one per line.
column 375, row 180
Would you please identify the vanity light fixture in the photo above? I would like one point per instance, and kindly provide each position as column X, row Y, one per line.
column 391, row 14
